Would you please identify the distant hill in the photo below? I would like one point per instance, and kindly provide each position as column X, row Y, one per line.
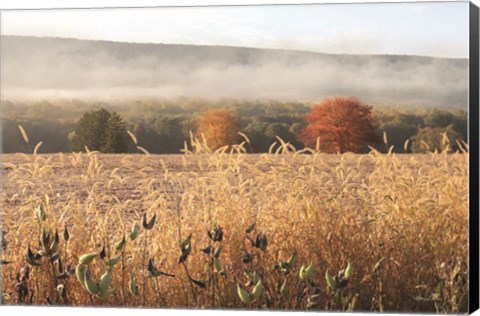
column 35, row 67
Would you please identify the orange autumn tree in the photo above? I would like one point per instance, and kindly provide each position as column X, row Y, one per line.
column 341, row 124
column 219, row 127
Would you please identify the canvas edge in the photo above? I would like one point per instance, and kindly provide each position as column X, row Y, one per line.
column 474, row 158
column 473, row 141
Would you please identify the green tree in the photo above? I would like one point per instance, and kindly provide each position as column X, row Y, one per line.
column 439, row 118
column 99, row 130
column 116, row 135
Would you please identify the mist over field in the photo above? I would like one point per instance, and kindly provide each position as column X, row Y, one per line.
column 42, row 68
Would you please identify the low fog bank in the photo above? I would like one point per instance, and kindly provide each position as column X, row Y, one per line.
column 44, row 68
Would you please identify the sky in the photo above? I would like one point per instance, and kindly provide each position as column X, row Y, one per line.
column 437, row 29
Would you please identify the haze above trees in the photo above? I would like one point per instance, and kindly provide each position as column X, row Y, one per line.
column 47, row 68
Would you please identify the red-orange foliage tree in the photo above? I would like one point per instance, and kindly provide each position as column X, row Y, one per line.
column 219, row 127
column 341, row 123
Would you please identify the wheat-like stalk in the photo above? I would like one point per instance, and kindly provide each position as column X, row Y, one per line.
column 133, row 137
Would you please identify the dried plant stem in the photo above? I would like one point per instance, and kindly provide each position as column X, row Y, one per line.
column 123, row 276
column 144, row 264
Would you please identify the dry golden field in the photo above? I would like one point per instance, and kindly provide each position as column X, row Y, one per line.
column 399, row 221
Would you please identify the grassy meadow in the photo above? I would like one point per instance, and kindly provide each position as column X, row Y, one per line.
column 223, row 229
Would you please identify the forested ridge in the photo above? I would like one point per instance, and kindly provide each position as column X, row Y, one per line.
column 162, row 126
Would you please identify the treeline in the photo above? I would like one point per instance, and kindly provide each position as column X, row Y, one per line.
column 162, row 126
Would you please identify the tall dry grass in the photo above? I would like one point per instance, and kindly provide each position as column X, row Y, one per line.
column 399, row 220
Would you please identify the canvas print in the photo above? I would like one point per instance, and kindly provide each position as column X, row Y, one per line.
column 279, row 157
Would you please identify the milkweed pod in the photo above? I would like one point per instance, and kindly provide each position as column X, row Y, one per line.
column 243, row 295
column 330, row 281
column 257, row 290
column 32, row 262
column 218, row 251
column 250, row 228
column 56, row 237
column 217, row 264
column 30, row 258
column 53, row 246
column 113, row 261
column 107, row 293
column 185, row 243
column 41, row 213
column 66, row 235
column 148, row 224
column 301, row 272
column 252, row 276
column 208, row 250
column 198, row 283
column 309, row 270
column 120, row 244
column 80, row 271
column 103, row 253
column 45, row 240
column 90, row 285
column 4, row 242
column 134, row 232
column 348, row 271
column 291, row 260
column 105, row 281
column 87, row 258
column 261, row 241
column 61, row 288
column 132, row 286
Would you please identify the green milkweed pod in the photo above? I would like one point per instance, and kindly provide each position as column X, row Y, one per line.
column 309, row 270
column 134, row 232
column 107, row 293
column 243, row 295
column 348, row 271
column 291, row 260
column 113, row 261
column 41, row 213
column 104, row 286
column 120, row 244
column 186, row 248
column 330, row 281
column 301, row 272
column 4, row 241
column 252, row 276
column 132, row 286
column 90, row 285
column 257, row 290
column 87, row 258
column 217, row 264
column 80, row 271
